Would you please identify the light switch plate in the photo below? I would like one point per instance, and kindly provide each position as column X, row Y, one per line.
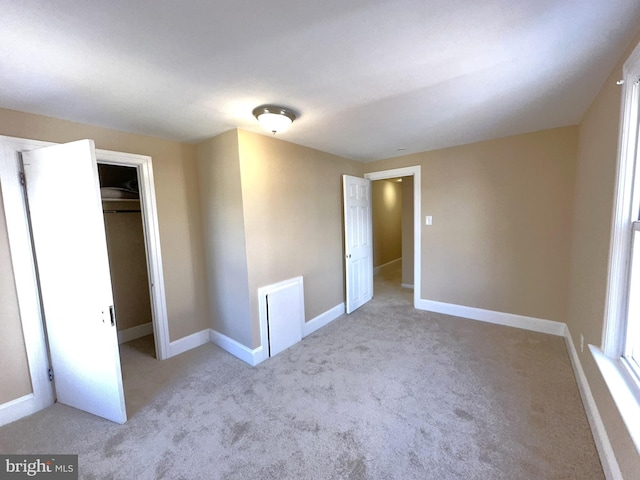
column 429, row 220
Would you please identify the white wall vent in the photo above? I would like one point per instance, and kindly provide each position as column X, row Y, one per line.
column 281, row 315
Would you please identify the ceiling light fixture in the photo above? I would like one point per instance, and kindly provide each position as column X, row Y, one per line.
column 274, row 119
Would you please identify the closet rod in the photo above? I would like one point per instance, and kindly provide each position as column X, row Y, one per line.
column 121, row 211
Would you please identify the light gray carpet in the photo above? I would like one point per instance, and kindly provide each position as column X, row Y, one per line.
column 385, row 393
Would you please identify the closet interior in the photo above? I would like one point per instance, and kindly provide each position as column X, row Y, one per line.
column 127, row 251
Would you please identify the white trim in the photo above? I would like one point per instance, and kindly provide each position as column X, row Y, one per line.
column 17, row 401
column 619, row 250
column 132, row 333
column 25, row 281
column 229, row 345
column 600, row 437
column 18, row 408
column 262, row 307
column 414, row 171
column 406, row 285
column 490, row 316
column 388, row 264
column 623, row 387
column 323, row 319
column 252, row 357
column 151, row 230
column 260, row 354
column 189, row 342
column 393, row 173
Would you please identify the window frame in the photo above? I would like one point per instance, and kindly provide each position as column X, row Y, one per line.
column 613, row 343
column 631, row 339
column 621, row 377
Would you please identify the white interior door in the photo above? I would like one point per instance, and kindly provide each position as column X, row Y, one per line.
column 63, row 195
column 357, row 241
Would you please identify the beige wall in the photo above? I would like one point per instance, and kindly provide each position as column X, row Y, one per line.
column 224, row 236
column 407, row 230
column 14, row 374
column 128, row 263
column 501, row 222
column 292, row 199
column 177, row 199
column 386, row 200
column 595, row 181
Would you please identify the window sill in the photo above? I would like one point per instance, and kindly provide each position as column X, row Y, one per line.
column 624, row 390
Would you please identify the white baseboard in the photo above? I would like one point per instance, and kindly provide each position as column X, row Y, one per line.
column 406, row 285
column 260, row 354
column 18, row 408
column 322, row 319
column 252, row 357
column 132, row 333
column 189, row 342
column 603, row 444
column 500, row 318
column 380, row 267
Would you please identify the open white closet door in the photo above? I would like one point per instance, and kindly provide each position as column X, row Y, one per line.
column 63, row 195
column 357, row 241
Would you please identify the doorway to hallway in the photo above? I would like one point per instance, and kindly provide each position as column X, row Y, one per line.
column 392, row 226
column 411, row 253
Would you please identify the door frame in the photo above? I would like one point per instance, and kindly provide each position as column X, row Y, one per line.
column 25, row 277
column 414, row 172
column 142, row 163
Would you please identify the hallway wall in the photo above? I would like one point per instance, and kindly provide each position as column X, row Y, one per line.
column 386, row 219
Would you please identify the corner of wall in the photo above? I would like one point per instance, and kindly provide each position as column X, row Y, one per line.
column 223, row 233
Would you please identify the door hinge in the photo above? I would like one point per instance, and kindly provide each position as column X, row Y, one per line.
column 50, row 374
column 23, row 180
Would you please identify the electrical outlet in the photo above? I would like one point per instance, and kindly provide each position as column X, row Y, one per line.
column 581, row 343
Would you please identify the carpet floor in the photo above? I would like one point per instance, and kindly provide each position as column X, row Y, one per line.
column 387, row 392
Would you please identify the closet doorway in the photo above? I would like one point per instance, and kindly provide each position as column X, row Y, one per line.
column 61, row 270
column 135, row 260
column 120, row 193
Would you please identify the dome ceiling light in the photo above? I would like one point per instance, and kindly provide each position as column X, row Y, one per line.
column 274, row 119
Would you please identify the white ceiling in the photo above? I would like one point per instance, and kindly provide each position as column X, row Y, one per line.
column 368, row 77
